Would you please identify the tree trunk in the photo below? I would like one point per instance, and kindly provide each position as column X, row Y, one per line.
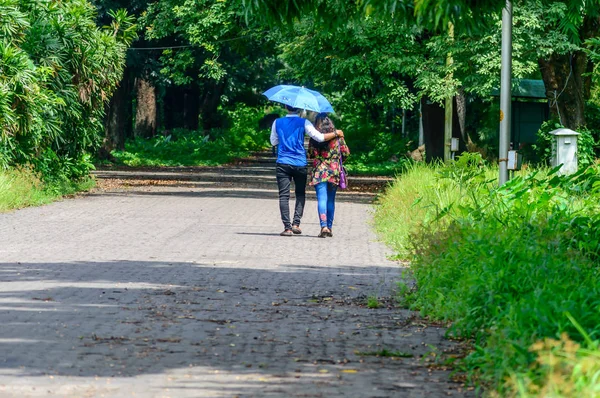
column 211, row 98
column 567, row 78
column 146, row 115
column 115, row 119
column 191, row 108
column 459, row 122
column 433, row 130
column 566, row 87
column 173, row 105
column 461, row 115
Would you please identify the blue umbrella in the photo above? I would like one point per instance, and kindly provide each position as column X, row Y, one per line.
column 299, row 97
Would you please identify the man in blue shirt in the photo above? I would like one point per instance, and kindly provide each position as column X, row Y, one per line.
column 288, row 134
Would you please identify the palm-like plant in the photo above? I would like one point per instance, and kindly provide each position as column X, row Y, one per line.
column 57, row 71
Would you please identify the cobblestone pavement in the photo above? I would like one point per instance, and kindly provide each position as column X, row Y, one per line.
column 186, row 290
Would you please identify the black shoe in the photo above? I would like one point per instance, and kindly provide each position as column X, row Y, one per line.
column 330, row 233
column 324, row 232
column 296, row 230
column 287, row 232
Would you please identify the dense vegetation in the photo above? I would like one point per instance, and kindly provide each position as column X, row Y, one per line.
column 57, row 71
column 515, row 269
column 196, row 62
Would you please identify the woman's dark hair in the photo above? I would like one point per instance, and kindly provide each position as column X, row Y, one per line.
column 291, row 108
column 324, row 124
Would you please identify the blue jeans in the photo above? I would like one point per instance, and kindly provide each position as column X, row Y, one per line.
column 326, row 203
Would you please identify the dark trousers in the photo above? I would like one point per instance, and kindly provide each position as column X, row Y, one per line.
column 285, row 174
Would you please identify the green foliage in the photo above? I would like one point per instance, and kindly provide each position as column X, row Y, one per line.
column 196, row 148
column 372, row 57
column 504, row 264
column 242, row 129
column 360, row 166
column 382, row 149
column 586, row 147
column 57, row 71
column 371, row 66
column 217, row 47
column 434, row 15
column 543, row 147
column 419, row 196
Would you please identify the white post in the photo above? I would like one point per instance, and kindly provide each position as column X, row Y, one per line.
column 505, row 91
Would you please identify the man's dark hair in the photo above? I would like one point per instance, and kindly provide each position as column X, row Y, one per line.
column 291, row 108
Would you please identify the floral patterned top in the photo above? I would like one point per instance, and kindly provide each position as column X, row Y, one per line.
column 326, row 161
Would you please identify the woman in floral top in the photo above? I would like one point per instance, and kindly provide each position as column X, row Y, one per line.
column 326, row 171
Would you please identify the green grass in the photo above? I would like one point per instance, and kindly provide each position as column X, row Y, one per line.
column 373, row 302
column 374, row 169
column 410, row 203
column 504, row 265
column 22, row 188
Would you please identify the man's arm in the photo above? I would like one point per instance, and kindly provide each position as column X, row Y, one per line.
column 274, row 138
column 318, row 136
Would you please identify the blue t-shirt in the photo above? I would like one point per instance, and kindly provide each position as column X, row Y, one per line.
column 290, row 132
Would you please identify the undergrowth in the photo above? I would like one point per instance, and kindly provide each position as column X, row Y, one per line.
column 180, row 147
column 504, row 265
column 22, row 188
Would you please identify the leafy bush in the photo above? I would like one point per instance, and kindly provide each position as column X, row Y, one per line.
column 503, row 264
column 242, row 130
column 57, row 70
column 375, row 153
column 195, row 148
column 180, row 148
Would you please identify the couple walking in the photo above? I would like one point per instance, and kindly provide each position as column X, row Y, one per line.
column 327, row 148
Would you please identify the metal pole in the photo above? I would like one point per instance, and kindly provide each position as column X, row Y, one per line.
column 505, row 91
column 403, row 123
column 421, row 132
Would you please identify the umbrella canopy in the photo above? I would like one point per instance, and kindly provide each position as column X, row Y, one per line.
column 299, row 97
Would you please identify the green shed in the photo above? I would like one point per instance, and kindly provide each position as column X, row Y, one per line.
column 530, row 108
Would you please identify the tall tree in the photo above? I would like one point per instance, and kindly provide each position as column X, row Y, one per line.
column 214, row 57
column 564, row 70
column 119, row 120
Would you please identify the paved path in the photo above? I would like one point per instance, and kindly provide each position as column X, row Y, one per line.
column 184, row 289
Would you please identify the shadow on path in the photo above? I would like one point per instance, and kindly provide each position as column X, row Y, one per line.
column 289, row 331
